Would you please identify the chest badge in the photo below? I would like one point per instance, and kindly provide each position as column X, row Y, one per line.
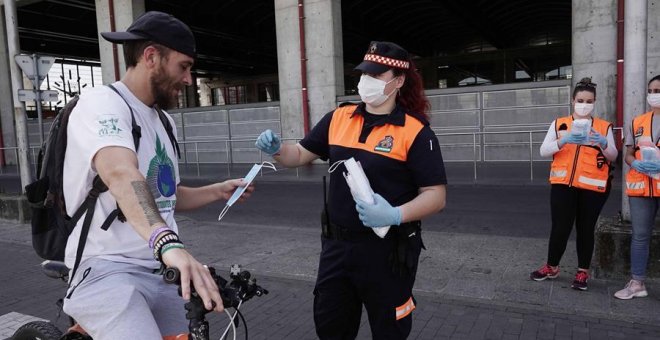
column 385, row 145
column 639, row 132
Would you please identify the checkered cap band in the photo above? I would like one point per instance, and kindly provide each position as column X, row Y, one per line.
column 387, row 61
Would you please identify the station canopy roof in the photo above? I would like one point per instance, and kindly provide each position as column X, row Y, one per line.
column 237, row 37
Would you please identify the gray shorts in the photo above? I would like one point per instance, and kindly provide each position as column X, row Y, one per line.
column 113, row 300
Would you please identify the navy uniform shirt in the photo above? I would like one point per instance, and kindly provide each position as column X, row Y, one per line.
column 398, row 152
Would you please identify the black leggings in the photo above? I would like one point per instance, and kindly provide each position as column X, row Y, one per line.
column 568, row 205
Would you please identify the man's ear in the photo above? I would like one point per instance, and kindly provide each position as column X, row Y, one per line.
column 151, row 56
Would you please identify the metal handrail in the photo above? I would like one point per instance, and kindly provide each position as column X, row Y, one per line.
column 230, row 163
column 475, row 159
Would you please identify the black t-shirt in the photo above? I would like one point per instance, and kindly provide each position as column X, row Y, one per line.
column 397, row 180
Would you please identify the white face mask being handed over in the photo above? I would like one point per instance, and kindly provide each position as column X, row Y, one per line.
column 583, row 109
column 653, row 99
column 372, row 90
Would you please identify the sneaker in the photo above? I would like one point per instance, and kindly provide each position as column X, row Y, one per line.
column 632, row 289
column 580, row 282
column 545, row 272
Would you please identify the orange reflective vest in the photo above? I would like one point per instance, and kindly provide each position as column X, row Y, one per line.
column 580, row 166
column 389, row 140
column 637, row 183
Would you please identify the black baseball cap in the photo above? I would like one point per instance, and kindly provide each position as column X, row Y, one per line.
column 159, row 27
column 382, row 56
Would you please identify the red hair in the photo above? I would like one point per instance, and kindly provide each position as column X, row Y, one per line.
column 411, row 95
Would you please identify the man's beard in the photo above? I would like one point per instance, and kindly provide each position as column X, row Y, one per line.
column 161, row 88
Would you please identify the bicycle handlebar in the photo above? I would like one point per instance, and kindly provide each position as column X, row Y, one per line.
column 242, row 286
column 233, row 293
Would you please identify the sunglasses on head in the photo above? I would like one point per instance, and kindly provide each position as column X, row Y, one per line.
column 583, row 84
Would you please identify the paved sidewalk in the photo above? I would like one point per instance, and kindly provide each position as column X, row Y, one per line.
column 468, row 287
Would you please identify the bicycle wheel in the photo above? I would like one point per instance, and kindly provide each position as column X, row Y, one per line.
column 37, row 330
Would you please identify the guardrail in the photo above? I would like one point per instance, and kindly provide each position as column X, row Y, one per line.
column 477, row 143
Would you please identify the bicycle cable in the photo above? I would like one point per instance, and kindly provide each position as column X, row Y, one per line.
column 231, row 321
column 244, row 323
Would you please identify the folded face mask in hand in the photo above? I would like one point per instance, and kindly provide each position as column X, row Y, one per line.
column 240, row 190
column 581, row 127
column 359, row 185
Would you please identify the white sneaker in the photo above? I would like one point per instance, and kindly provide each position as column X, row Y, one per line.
column 632, row 289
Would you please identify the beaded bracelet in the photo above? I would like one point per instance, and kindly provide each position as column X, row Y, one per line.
column 155, row 234
column 168, row 238
column 164, row 238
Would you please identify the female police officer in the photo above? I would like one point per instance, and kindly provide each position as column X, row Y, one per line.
column 389, row 134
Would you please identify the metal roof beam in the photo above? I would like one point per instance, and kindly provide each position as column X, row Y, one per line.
column 21, row 3
column 472, row 16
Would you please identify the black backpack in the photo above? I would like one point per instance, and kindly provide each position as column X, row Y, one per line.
column 51, row 226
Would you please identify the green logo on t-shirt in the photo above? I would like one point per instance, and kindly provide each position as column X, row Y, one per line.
column 109, row 127
column 160, row 176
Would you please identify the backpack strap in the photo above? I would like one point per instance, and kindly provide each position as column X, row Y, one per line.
column 169, row 129
column 136, row 130
column 89, row 205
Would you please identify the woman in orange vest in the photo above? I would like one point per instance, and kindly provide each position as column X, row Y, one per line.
column 642, row 188
column 582, row 147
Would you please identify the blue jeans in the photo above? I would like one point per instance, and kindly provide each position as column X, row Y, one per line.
column 642, row 214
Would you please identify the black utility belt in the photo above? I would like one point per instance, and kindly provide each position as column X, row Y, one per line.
column 336, row 232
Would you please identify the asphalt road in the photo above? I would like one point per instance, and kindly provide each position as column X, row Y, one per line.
column 522, row 211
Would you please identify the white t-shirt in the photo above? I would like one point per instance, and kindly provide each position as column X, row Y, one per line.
column 101, row 119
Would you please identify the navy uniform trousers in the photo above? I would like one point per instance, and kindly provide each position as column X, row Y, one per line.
column 358, row 270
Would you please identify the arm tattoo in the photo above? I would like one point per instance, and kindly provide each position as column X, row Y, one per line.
column 147, row 202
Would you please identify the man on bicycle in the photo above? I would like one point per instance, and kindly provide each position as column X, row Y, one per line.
column 116, row 292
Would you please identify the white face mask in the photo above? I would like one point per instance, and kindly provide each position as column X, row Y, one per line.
column 583, row 109
column 372, row 90
column 653, row 99
column 240, row 190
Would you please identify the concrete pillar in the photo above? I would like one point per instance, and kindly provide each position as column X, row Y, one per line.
column 323, row 40
column 20, row 116
column 634, row 72
column 594, row 50
column 191, row 93
column 653, row 41
column 125, row 12
column 205, row 95
column 6, row 104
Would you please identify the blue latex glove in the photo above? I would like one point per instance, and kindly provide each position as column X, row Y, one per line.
column 651, row 167
column 570, row 138
column 598, row 139
column 268, row 142
column 646, row 167
column 379, row 214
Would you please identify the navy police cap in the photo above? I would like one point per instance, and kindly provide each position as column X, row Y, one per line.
column 382, row 56
column 159, row 27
